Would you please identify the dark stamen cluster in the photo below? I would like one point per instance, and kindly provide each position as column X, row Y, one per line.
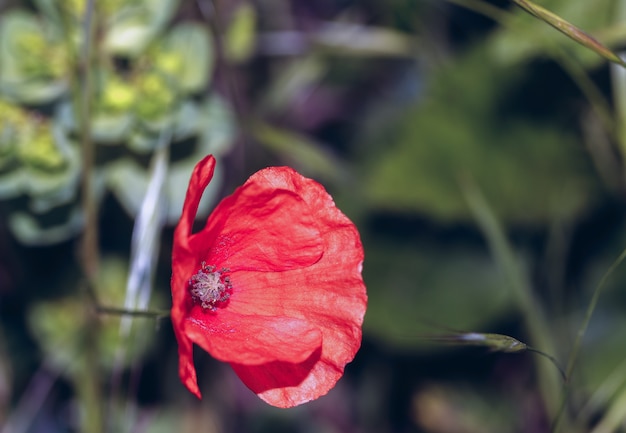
column 210, row 287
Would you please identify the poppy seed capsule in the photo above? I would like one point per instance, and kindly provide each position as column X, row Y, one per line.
column 209, row 287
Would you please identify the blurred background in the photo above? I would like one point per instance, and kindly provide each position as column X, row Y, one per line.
column 479, row 152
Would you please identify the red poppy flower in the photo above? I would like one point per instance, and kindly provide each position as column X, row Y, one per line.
column 272, row 285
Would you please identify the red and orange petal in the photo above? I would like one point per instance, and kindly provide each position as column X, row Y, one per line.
column 293, row 320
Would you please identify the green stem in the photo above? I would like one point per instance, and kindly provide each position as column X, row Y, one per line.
column 481, row 7
column 535, row 321
column 88, row 377
column 149, row 314
column 569, row 30
column 575, row 71
column 90, row 253
column 573, row 358
column 587, row 86
column 618, row 78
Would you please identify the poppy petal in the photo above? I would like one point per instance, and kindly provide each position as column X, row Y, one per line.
column 297, row 300
column 182, row 266
column 285, row 385
column 186, row 367
column 252, row 339
column 200, row 179
column 260, row 228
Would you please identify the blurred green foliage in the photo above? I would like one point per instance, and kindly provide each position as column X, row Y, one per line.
column 395, row 107
column 522, row 39
column 530, row 171
column 149, row 77
column 62, row 328
column 411, row 277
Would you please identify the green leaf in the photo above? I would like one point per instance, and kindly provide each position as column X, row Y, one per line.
column 299, row 150
column 33, row 62
column 47, row 174
column 411, row 286
column 211, row 123
column 129, row 182
column 187, row 55
column 217, row 126
column 240, row 38
column 49, row 164
column 12, row 121
column 530, row 172
column 37, row 230
column 59, row 325
column 134, row 26
column 112, row 117
column 157, row 100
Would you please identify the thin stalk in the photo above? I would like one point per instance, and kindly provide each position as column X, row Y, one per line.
column 535, row 320
column 552, row 359
column 573, row 358
column 494, row 342
column 148, row 314
column 87, row 380
column 569, row 30
column 90, row 254
column 481, row 7
column 588, row 88
column 618, row 79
